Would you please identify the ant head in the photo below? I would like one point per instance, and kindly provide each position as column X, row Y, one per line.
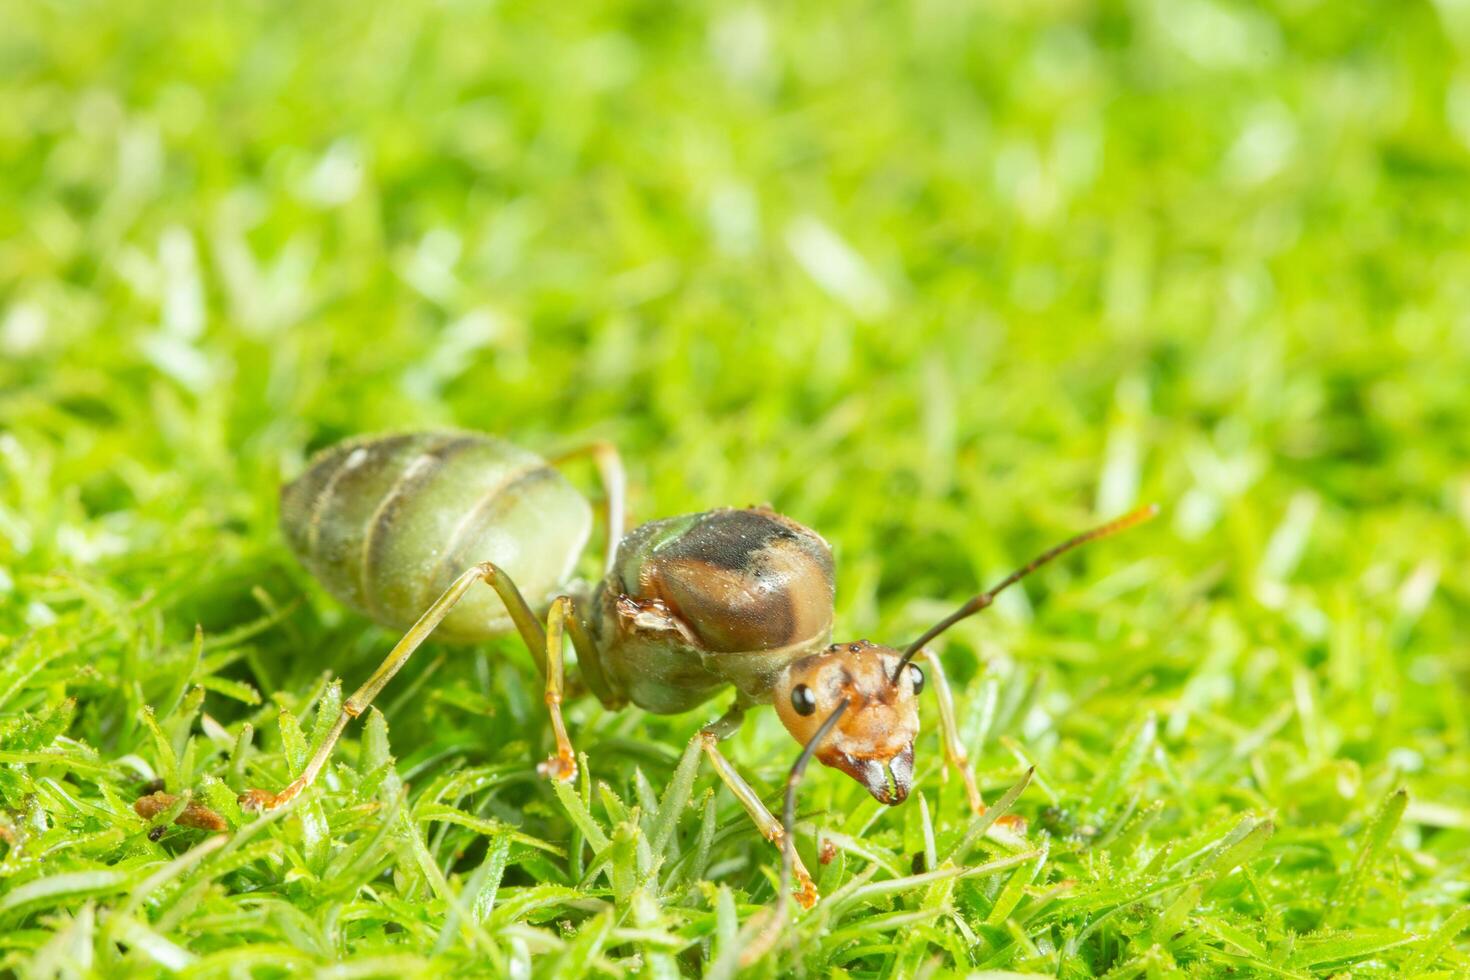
column 873, row 741
column 876, row 687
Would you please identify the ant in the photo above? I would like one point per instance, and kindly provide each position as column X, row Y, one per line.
column 689, row 606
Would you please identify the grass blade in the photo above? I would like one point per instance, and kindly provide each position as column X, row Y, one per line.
column 1380, row 829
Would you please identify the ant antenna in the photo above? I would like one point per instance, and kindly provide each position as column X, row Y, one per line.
column 769, row 933
column 984, row 599
column 798, row 769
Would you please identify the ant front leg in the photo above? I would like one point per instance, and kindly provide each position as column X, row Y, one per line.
column 520, row 614
column 955, row 753
column 709, row 737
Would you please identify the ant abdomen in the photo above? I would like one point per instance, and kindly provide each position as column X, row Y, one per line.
column 388, row 522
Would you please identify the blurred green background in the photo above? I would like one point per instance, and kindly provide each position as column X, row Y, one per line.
column 943, row 280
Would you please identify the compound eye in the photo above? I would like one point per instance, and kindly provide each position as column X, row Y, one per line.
column 803, row 700
column 917, row 678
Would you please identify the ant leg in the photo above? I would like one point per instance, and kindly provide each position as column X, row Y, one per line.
column 954, row 747
column 769, row 826
column 563, row 766
column 589, row 658
column 770, row 931
column 604, row 456
column 520, row 614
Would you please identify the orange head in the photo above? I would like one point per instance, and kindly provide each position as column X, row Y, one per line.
column 874, row 740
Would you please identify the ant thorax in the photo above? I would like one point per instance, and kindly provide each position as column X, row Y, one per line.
column 722, row 597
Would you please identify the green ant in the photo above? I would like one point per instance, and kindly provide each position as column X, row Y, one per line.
column 689, row 606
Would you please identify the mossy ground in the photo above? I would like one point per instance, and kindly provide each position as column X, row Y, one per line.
column 945, row 281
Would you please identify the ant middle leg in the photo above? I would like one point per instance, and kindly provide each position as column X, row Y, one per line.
column 709, row 738
column 521, row 615
column 561, row 767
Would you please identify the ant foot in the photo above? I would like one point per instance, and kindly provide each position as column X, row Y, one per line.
column 561, row 767
column 257, row 800
column 972, row 792
column 260, row 800
column 806, row 891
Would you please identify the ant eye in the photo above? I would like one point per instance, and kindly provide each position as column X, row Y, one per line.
column 918, row 678
column 803, row 700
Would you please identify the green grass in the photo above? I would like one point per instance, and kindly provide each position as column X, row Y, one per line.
column 944, row 281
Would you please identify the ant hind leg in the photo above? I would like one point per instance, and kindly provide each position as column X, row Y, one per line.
column 520, row 614
column 609, row 464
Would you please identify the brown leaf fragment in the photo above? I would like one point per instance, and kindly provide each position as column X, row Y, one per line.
column 194, row 814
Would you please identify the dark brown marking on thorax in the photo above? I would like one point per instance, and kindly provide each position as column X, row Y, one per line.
column 730, row 539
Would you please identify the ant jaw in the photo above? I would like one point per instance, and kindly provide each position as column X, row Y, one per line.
column 889, row 780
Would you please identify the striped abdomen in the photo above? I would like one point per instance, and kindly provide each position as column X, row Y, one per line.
column 386, row 524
